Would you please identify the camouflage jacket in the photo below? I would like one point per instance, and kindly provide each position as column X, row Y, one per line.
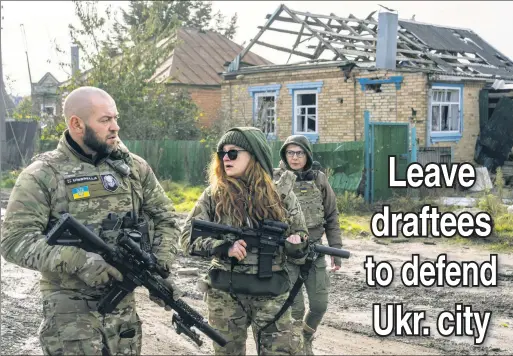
column 63, row 180
column 330, row 223
column 205, row 210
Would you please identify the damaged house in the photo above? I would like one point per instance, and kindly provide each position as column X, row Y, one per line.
column 340, row 71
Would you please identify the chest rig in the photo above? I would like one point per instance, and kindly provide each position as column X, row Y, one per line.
column 310, row 198
column 251, row 264
column 99, row 194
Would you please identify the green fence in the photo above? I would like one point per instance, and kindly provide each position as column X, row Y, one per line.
column 187, row 161
column 346, row 159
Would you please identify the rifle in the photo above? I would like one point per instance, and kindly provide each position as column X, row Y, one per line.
column 138, row 267
column 266, row 238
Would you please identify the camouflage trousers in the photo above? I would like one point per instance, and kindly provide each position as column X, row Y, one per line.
column 70, row 327
column 317, row 288
column 227, row 316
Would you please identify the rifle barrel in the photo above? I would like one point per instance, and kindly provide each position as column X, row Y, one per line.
column 331, row 251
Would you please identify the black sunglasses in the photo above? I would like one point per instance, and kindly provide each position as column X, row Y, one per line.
column 232, row 154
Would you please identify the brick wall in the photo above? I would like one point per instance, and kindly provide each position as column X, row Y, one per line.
column 209, row 103
column 341, row 104
column 392, row 105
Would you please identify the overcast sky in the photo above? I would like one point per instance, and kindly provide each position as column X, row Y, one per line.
column 46, row 23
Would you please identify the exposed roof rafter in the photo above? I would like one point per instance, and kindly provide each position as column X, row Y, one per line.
column 320, row 38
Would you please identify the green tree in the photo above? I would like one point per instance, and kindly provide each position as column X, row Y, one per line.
column 24, row 110
column 184, row 13
column 124, row 56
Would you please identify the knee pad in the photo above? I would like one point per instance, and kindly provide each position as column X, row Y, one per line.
column 318, row 307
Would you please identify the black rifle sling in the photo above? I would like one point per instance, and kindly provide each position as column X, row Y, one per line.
column 303, row 275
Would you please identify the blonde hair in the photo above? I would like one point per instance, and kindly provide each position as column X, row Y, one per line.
column 256, row 189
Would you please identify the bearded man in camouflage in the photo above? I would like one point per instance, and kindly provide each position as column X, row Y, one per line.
column 319, row 206
column 90, row 174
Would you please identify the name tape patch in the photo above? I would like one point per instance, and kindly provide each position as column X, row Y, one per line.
column 74, row 180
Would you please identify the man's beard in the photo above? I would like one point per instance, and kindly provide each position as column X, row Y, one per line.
column 94, row 144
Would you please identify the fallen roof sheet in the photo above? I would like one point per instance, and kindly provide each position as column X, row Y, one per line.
column 494, row 142
column 455, row 40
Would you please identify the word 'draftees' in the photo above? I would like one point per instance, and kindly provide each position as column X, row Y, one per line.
column 433, row 175
column 429, row 222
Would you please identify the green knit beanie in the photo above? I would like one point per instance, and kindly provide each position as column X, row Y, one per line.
column 254, row 141
column 236, row 138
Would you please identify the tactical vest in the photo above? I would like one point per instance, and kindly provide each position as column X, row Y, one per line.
column 89, row 193
column 311, row 201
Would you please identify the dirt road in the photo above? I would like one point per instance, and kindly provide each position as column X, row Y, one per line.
column 347, row 327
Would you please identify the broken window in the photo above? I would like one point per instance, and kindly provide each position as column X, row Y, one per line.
column 445, row 110
column 306, row 111
column 265, row 113
column 47, row 110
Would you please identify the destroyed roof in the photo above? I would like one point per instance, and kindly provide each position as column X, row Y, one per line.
column 198, row 58
column 420, row 46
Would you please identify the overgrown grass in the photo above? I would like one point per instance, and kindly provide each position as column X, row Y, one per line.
column 183, row 195
column 350, row 203
column 7, row 180
column 492, row 204
column 502, row 220
column 354, row 215
column 355, row 225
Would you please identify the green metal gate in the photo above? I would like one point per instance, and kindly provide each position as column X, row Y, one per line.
column 382, row 140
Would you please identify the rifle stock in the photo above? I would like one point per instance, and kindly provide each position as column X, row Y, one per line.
column 138, row 269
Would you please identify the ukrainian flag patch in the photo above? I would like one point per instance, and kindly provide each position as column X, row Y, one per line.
column 80, row 192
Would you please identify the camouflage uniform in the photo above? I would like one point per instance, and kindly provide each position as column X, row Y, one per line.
column 261, row 299
column 318, row 203
column 65, row 180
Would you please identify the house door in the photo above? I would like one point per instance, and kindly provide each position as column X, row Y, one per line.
column 382, row 140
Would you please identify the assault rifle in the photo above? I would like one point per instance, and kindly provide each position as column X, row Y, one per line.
column 267, row 238
column 138, row 267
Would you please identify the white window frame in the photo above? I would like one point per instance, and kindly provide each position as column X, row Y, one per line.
column 433, row 103
column 258, row 95
column 298, row 107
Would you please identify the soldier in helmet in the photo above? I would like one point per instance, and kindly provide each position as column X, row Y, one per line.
column 319, row 206
column 89, row 175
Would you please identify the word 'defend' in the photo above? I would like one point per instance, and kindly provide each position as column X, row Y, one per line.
column 433, row 175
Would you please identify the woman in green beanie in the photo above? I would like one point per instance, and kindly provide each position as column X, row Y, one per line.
column 242, row 193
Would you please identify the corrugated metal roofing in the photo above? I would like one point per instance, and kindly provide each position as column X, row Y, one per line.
column 459, row 40
column 199, row 57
